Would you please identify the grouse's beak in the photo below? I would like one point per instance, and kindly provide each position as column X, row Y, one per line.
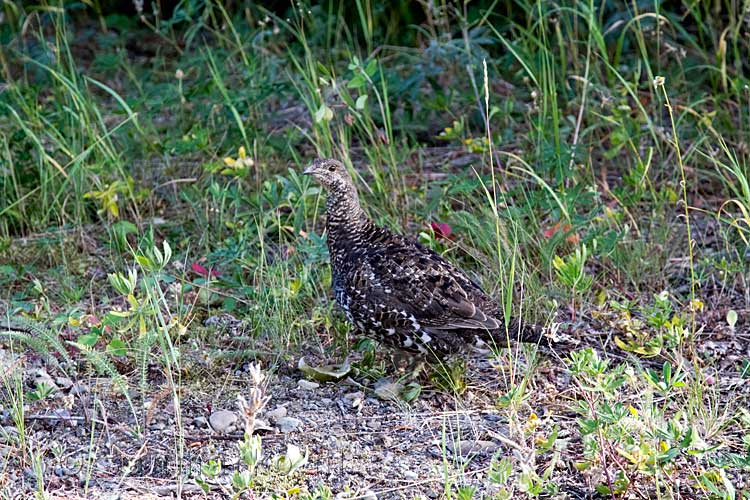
column 308, row 171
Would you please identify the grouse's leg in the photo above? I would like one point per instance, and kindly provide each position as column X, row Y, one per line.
column 408, row 365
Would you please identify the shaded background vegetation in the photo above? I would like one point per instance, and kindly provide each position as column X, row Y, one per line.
column 588, row 158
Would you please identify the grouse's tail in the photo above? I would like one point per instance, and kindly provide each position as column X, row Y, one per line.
column 518, row 331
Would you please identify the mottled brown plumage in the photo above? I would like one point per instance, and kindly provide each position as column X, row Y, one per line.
column 399, row 291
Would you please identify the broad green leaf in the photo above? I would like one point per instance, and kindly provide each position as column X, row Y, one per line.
column 732, row 318
column 361, row 102
column 88, row 339
column 117, row 347
column 323, row 113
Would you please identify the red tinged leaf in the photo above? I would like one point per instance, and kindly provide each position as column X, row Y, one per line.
column 442, row 230
column 573, row 238
column 565, row 228
column 202, row 271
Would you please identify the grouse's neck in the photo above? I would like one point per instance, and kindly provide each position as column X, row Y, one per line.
column 346, row 221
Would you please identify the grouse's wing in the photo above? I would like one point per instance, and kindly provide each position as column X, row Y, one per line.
column 405, row 276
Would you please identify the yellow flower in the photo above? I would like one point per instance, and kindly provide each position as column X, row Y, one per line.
column 242, row 159
column 531, row 423
column 239, row 164
column 633, row 411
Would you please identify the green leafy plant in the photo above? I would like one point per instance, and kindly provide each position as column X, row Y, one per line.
column 666, row 381
column 571, row 272
column 209, row 471
column 42, row 391
column 450, row 376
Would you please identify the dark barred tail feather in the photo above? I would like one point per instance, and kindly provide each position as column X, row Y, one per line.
column 518, row 331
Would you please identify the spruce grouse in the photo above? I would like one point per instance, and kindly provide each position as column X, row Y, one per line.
column 399, row 291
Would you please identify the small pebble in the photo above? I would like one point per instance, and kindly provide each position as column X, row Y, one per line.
column 410, row 474
column 9, row 432
column 288, row 424
column 469, row 447
column 79, row 389
column 276, row 414
column 223, row 421
column 64, row 383
column 307, row 385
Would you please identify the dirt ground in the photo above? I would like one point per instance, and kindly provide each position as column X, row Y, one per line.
column 358, row 444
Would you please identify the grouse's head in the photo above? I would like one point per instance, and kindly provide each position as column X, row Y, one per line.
column 332, row 175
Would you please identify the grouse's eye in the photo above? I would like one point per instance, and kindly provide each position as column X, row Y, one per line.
column 332, row 168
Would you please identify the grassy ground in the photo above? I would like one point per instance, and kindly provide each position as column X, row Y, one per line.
column 589, row 159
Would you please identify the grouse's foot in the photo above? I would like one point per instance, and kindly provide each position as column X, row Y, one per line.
column 408, row 365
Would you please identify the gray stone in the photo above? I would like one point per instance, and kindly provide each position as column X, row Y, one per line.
column 307, row 385
column 64, row 383
column 288, row 424
column 223, row 421
column 79, row 389
column 470, row 447
column 410, row 474
column 276, row 414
